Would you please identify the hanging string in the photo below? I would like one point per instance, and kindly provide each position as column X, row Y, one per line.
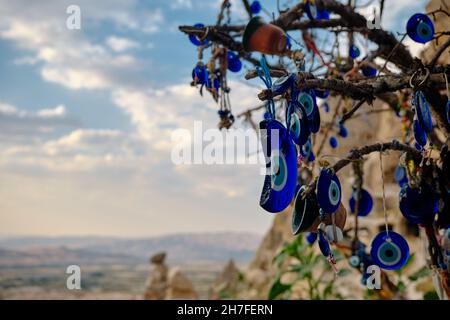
column 264, row 75
column 384, row 195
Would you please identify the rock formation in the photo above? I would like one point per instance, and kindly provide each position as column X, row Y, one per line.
column 227, row 283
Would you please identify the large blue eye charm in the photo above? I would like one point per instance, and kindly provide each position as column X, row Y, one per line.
column 400, row 176
column 281, row 85
column 419, row 134
column 255, row 7
column 420, row 28
column 328, row 191
column 281, row 163
column 200, row 74
column 195, row 41
column 298, row 124
column 354, row 52
column 423, row 111
column 311, row 9
column 306, row 211
column 418, row 205
column 389, row 252
column 365, row 203
column 308, row 103
column 234, row 64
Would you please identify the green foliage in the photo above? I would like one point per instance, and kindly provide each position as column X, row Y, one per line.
column 310, row 268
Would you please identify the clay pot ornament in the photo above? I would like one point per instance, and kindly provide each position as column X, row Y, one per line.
column 400, row 176
column 328, row 191
column 390, row 250
column 281, row 163
column 420, row 28
column 297, row 122
column 255, row 7
column 305, row 213
column 265, row 38
column 422, row 109
column 307, row 100
column 418, row 205
column 234, row 63
column 365, row 202
column 195, row 41
column 354, row 52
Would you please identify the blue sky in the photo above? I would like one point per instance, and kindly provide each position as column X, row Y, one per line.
column 86, row 119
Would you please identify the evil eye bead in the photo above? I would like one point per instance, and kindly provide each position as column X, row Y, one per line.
column 419, row 134
column 308, row 103
column 323, row 15
column 298, row 124
column 306, row 149
column 389, row 251
column 281, row 85
column 305, row 212
column 343, row 132
column 255, row 7
column 400, row 176
column 369, row 71
column 418, row 205
column 311, row 157
column 311, row 237
column 420, row 28
column 200, row 74
column 311, row 9
column 365, row 203
column 234, row 63
column 324, row 246
column 326, row 107
column 423, row 111
column 281, row 162
column 195, row 41
column 354, row 261
column 328, row 191
column 354, row 52
column 333, row 142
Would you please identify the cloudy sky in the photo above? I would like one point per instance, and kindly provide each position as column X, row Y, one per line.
column 86, row 118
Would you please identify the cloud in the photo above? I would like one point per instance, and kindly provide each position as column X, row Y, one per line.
column 28, row 127
column 181, row 4
column 119, row 44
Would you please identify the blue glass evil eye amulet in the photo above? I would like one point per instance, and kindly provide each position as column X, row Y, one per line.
column 420, row 28
column 234, row 64
column 305, row 212
column 423, row 111
column 354, row 52
column 419, row 134
column 390, row 250
column 281, row 85
column 365, row 203
column 401, row 176
column 255, row 7
column 311, row 9
column 297, row 122
column 418, row 205
column 281, row 163
column 328, row 191
column 200, row 74
column 307, row 100
column 333, row 142
column 195, row 41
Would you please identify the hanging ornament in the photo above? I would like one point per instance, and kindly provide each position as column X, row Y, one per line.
column 422, row 109
column 418, row 205
column 234, row 63
column 305, row 213
column 400, row 176
column 323, row 14
column 311, row 237
column 200, row 74
column 365, row 202
column 420, row 28
column 419, row 134
column 306, row 149
column 326, row 107
column 369, row 71
column 281, row 85
column 343, row 132
column 311, row 9
column 297, row 122
column 334, row 234
column 307, row 100
column 328, row 191
column 354, row 51
column 195, row 40
column 390, row 250
column 333, row 142
column 255, row 7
